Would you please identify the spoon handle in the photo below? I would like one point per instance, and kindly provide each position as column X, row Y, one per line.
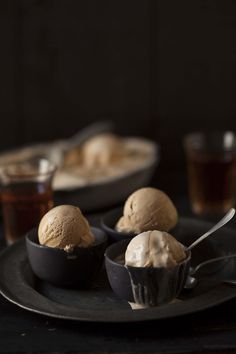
column 88, row 132
column 193, row 271
column 228, row 216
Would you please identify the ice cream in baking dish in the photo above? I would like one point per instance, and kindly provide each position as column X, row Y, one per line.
column 98, row 159
column 102, row 158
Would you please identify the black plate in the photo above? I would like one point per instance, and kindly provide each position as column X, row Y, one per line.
column 19, row 285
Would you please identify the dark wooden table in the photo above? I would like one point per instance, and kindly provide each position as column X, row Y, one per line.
column 211, row 331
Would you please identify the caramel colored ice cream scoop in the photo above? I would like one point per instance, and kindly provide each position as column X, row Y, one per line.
column 147, row 209
column 154, row 249
column 102, row 150
column 65, row 227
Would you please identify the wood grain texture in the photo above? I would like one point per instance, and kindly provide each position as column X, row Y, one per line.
column 84, row 61
column 196, row 69
column 9, row 75
column 156, row 68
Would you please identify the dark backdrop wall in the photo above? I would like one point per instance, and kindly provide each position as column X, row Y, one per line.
column 157, row 68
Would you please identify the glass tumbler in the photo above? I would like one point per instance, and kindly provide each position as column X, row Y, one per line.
column 26, row 195
column 211, row 164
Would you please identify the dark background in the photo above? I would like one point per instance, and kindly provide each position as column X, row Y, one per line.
column 157, row 68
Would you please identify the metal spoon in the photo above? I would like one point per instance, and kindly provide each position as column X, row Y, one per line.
column 228, row 216
column 57, row 151
column 192, row 281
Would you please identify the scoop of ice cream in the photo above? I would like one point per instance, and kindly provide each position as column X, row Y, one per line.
column 147, row 209
column 72, row 157
column 102, row 150
column 154, row 249
column 65, row 227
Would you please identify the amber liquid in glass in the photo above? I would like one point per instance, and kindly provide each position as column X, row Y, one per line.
column 24, row 204
column 212, row 182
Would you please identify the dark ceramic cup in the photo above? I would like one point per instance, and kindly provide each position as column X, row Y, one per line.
column 108, row 223
column 75, row 269
column 148, row 286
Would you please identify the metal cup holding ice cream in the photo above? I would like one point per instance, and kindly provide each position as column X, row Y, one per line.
column 150, row 270
column 64, row 250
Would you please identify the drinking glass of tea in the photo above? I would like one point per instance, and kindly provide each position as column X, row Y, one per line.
column 26, row 195
column 211, row 164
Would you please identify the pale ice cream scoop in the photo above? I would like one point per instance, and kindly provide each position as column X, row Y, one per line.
column 102, row 150
column 65, row 227
column 154, row 249
column 147, row 209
